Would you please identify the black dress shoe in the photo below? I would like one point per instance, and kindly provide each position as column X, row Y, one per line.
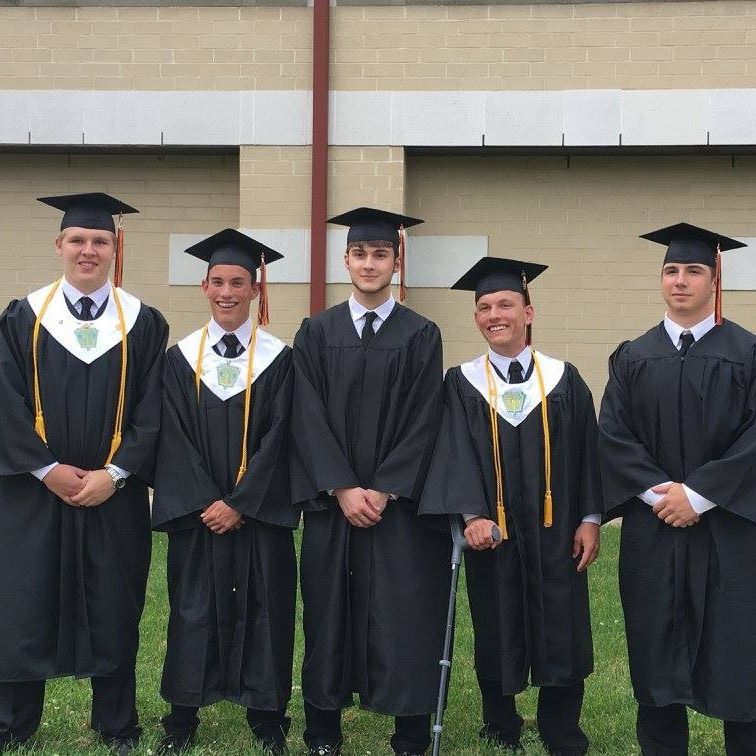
column 121, row 746
column 174, row 744
column 497, row 737
column 326, row 749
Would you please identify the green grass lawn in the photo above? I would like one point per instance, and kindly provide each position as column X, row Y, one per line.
column 608, row 713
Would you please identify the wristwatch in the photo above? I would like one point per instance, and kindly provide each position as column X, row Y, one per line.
column 118, row 481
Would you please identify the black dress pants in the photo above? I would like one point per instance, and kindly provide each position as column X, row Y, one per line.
column 182, row 722
column 558, row 716
column 323, row 727
column 663, row 731
column 114, row 715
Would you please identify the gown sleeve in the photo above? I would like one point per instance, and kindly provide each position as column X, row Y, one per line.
column 21, row 449
column 402, row 472
column 263, row 491
column 140, row 433
column 730, row 479
column 627, row 469
column 318, row 463
column 455, row 482
column 183, row 484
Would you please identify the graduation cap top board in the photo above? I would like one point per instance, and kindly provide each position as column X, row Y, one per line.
column 492, row 274
column 94, row 210
column 689, row 245
column 231, row 247
column 369, row 224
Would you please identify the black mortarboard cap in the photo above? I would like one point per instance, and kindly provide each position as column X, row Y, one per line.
column 369, row 224
column 492, row 274
column 690, row 244
column 231, row 247
column 93, row 210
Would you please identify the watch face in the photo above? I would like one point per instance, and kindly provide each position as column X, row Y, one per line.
column 120, row 482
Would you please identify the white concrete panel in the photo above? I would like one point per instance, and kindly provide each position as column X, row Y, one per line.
column 336, row 245
column 360, row 118
column 14, row 123
column 438, row 261
column 184, row 270
column 592, row 117
column 739, row 267
column 665, row 117
column 733, row 116
column 122, row 117
column 199, row 117
column 437, row 118
column 56, row 117
column 282, row 117
column 524, row 118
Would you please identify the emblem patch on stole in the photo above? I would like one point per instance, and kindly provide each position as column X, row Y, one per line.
column 514, row 401
column 86, row 335
column 227, row 375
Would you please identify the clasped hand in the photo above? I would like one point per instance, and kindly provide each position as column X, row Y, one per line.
column 674, row 508
column 361, row 506
column 79, row 488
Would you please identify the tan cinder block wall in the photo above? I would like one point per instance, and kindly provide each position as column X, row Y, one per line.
column 274, row 187
column 175, row 194
column 174, row 48
column 583, row 221
column 655, row 45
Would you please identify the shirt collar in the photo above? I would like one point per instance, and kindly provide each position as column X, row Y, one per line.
column 674, row 330
column 502, row 363
column 74, row 295
column 382, row 311
column 244, row 332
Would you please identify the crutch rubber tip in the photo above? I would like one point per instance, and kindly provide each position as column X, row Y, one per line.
column 444, row 663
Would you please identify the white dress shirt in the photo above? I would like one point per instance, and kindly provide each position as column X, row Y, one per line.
column 74, row 296
column 215, row 333
column 699, row 503
column 358, row 313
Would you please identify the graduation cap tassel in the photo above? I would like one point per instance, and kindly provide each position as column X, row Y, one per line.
column 402, row 247
column 263, row 315
column 118, row 273
column 718, row 289
column 526, row 294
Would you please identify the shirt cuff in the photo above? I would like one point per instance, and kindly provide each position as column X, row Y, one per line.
column 121, row 473
column 699, row 503
column 468, row 517
column 650, row 497
column 42, row 471
column 594, row 518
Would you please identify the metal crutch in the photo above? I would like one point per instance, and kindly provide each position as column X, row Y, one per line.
column 459, row 544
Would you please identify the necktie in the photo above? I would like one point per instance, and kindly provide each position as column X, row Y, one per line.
column 686, row 340
column 515, row 372
column 367, row 331
column 233, row 346
column 86, row 309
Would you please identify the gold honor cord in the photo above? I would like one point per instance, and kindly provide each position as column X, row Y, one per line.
column 493, row 399
column 39, row 418
column 247, row 393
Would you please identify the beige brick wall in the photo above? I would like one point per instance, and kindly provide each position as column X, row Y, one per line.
column 175, row 194
column 655, row 45
column 583, row 221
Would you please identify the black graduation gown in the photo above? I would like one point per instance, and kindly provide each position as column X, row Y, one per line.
column 75, row 598
column 374, row 598
column 232, row 596
column 529, row 606
column 688, row 593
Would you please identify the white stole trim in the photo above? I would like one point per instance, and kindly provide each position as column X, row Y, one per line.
column 62, row 325
column 267, row 348
column 551, row 369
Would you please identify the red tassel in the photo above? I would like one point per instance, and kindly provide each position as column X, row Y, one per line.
column 718, row 289
column 402, row 287
column 263, row 315
column 118, row 271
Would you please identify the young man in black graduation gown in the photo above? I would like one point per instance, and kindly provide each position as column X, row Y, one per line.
column 678, row 453
column 79, row 419
column 365, row 415
column 529, row 592
column 226, row 507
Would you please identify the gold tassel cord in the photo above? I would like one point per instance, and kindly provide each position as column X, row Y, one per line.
column 548, row 505
column 247, row 393
column 501, row 519
column 39, row 418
